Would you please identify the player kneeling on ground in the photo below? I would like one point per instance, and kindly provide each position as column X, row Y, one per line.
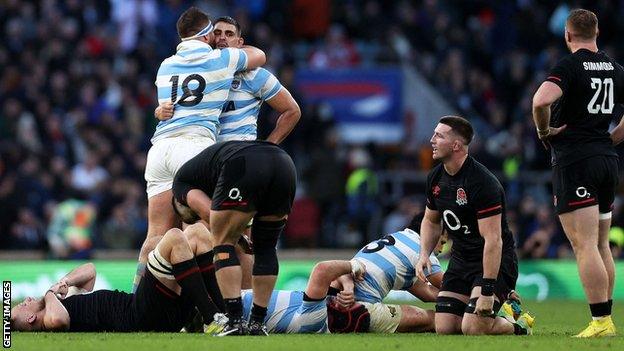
column 173, row 285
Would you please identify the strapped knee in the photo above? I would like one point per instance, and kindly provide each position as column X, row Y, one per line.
column 225, row 256
column 265, row 235
column 445, row 304
column 472, row 305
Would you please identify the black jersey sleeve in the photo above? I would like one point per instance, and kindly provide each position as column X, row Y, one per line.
column 487, row 198
column 183, row 182
column 561, row 74
column 430, row 189
column 619, row 97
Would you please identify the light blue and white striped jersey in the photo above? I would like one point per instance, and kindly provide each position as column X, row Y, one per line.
column 197, row 80
column 288, row 313
column 249, row 89
column 390, row 265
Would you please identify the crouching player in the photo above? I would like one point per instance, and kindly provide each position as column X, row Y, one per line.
column 173, row 285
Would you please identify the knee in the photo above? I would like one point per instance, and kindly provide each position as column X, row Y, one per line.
column 446, row 329
column 471, row 329
column 174, row 236
column 196, row 233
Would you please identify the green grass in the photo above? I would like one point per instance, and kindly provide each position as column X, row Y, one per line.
column 556, row 322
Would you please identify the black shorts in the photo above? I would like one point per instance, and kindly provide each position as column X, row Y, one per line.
column 261, row 179
column 462, row 276
column 585, row 183
column 157, row 308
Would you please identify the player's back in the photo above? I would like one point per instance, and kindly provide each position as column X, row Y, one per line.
column 249, row 89
column 592, row 85
column 287, row 312
column 390, row 265
column 197, row 80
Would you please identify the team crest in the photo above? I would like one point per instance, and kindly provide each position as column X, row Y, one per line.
column 236, row 84
column 462, row 199
column 436, row 191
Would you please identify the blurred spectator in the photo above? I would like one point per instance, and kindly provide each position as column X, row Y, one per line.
column 28, row 232
column 88, row 175
column 303, row 222
column 399, row 219
column 71, row 230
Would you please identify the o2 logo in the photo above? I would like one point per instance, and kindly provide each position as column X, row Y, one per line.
column 235, row 194
column 582, row 192
column 453, row 223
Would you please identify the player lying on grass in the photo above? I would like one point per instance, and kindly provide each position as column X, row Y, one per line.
column 180, row 273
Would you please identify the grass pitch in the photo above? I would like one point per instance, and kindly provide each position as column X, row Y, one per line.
column 556, row 322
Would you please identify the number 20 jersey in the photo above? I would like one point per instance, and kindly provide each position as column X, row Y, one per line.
column 593, row 87
column 197, row 80
column 461, row 200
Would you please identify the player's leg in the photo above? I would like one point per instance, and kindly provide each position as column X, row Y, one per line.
column 473, row 324
column 416, row 320
column 605, row 252
column 450, row 307
column 226, row 226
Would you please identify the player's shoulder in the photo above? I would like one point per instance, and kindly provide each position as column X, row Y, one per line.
column 435, row 172
column 478, row 173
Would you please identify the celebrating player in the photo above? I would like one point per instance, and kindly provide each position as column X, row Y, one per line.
column 248, row 91
column 587, row 85
column 470, row 202
column 175, row 282
column 227, row 185
column 196, row 80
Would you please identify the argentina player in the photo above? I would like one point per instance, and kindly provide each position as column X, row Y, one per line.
column 239, row 117
column 196, row 80
column 390, row 263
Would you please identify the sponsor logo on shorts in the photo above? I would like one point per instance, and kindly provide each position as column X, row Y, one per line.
column 235, row 194
column 462, row 199
column 582, row 192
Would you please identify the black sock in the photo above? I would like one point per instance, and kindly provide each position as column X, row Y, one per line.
column 206, row 267
column 234, row 308
column 258, row 313
column 519, row 330
column 308, row 298
column 610, row 301
column 600, row 309
column 188, row 276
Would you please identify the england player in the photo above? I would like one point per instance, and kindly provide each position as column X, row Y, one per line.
column 390, row 264
column 470, row 202
column 583, row 89
column 196, row 80
column 227, row 185
column 173, row 285
column 239, row 117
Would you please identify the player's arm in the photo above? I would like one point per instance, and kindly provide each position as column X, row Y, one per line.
column 346, row 296
column 56, row 317
column 255, row 56
column 617, row 134
column 289, row 111
column 200, row 203
column 424, row 291
column 430, row 231
column 80, row 280
column 326, row 271
column 545, row 96
column 490, row 229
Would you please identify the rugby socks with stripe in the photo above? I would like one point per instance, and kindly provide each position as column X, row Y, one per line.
column 258, row 313
column 207, row 269
column 189, row 278
column 234, row 308
column 600, row 310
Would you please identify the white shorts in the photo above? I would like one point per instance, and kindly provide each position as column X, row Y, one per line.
column 166, row 157
column 384, row 318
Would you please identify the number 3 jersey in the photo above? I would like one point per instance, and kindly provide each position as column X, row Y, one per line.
column 462, row 199
column 592, row 85
column 390, row 265
column 197, row 79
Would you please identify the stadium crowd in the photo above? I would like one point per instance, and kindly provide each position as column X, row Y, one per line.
column 77, row 97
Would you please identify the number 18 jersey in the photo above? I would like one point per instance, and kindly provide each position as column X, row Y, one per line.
column 197, row 80
column 593, row 86
column 462, row 199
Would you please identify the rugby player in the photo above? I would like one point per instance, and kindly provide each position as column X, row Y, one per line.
column 583, row 90
column 249, row 89
column 196, row 80
column 470, row 202
column 173, row 285
column 227, row 185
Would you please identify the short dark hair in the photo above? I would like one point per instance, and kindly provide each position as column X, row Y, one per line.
column 191, row 22
column 583, row 24
column 232, row 21
column 460, row 126
column 186, row 214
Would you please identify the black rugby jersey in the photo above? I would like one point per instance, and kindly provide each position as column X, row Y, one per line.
column 464, row 198
column 101, row 310
column 593, row 87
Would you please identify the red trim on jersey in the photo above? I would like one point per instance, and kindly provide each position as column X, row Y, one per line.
column 554, row 77
column 206, row 268
column 574, row 203
column 489, row 209
column 165, row 292
column 235, row 203
column 187, row 273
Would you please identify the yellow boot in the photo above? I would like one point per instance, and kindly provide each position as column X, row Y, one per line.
column 598, row 328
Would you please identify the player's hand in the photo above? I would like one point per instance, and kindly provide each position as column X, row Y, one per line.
column 548, row 134
column 358, row 269
column 164, row 111
column 60, row 289
column 423, row 263
column 345, row 299
column 513, row 296
column 485, row 306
